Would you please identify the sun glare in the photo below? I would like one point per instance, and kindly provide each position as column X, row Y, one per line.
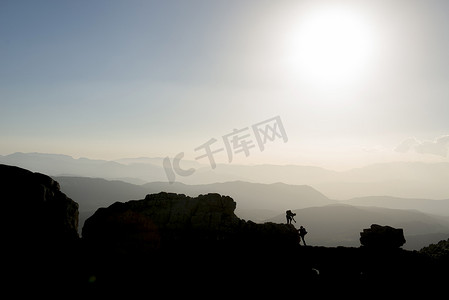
column 330, row 47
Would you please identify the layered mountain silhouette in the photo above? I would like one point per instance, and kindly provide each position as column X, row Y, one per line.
column 437, row 207
column 257, row 201
column 398, row 179
column 268, row 202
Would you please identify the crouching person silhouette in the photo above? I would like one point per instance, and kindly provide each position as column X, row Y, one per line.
column 302, row 233
column 290, row 216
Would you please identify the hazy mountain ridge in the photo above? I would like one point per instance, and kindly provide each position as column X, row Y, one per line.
column 64, row 165
column 256, row 201
column 330, row 222
column 273, row 196
column 398, row 179
column 430, row 206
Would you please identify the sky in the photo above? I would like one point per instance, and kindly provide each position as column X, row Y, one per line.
column 350, row 82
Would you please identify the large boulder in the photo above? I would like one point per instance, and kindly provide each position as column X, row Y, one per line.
column 35, row 211
column 385, row 237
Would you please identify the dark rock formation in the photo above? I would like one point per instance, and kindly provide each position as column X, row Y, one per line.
column 35, row 208
column 382, row 237
column 438, row 251
column 39, row 233
column 173, row 221
column 439, row 259
column 195, row 240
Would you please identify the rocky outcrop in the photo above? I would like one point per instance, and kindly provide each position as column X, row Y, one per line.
column 438, row 251
column 35, row 209
column 382, row 237
column 39, row 233
column 194, row 241
column 175, row 221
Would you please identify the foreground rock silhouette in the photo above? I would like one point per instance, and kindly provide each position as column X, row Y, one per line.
column 39, row 232
column 36, row 209
column 183, row 246
column 197, row 239
column 168, row 221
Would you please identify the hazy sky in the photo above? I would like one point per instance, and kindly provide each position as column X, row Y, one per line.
column 353, row 82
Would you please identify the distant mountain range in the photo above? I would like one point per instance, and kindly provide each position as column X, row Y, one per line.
column 255, row 201
column 397, row 194
column 437, row 207
column 330, row 222
column 397, row 179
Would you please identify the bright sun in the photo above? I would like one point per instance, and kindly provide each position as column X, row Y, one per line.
column 331, row 47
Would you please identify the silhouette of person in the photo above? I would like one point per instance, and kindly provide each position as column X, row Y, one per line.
column 302, row 233
column 289, row 215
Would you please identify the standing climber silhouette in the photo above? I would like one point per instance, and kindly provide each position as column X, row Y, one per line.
column 290, row 216
column 302, row 233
